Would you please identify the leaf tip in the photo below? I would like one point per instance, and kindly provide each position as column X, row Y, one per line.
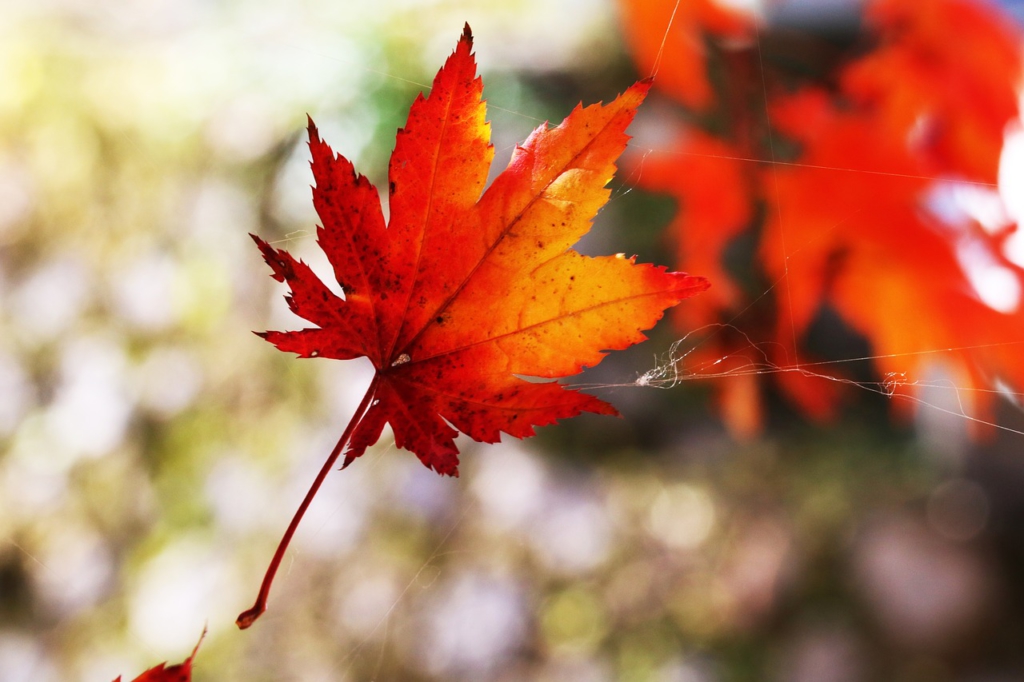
column 640, row 89
column 314, row 135
column 279, row 261
column 467, row 33
column 687, row 285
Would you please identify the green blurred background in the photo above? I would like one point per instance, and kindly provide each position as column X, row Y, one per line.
column 152, row 449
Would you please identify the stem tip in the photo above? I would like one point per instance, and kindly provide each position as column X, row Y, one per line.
column 247, row 618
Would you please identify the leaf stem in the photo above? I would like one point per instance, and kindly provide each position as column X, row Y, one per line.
column 249, row 617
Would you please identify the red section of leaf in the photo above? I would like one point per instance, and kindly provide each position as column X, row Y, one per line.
column 181, row 672
column 462, row 294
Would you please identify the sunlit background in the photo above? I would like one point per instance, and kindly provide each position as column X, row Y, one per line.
column 152, row 449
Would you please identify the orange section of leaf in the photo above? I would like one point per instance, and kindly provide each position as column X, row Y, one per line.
column 465, row 290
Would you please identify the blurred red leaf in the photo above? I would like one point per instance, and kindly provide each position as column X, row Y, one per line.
column 713, row 186
column 944, row 72
column 667, row 40
column 857, row 220
column 871, row 246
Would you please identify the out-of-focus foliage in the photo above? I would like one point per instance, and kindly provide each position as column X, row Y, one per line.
column 857, row 179
column 152, row 449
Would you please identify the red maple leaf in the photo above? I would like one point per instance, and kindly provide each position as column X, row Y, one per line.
column 466, row 291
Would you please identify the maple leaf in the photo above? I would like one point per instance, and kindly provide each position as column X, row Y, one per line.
column 181, row 672
column 466, row 291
